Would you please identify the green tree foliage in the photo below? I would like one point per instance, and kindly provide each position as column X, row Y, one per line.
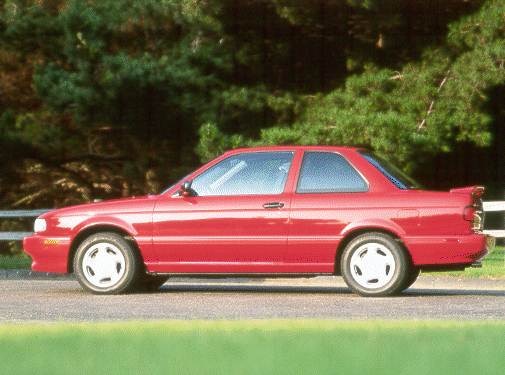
column 423, row 107
column 128, row 79
column 121, row 89
column 115, row 97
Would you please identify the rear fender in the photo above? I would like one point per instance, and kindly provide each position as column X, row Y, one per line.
column 374, row 224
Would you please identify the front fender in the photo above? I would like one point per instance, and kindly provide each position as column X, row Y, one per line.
column 105, row 221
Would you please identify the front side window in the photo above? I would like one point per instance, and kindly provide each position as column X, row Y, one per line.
column 246, row 174
column 327, row 172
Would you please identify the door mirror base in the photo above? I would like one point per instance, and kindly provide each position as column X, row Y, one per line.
column 186, row 190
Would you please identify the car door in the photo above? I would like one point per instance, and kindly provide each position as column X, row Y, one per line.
column 327, row 198
column 236, row 221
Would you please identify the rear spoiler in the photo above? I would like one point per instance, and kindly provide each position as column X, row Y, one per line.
column 475, row 191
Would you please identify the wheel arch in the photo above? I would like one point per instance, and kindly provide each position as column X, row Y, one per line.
column 349, row 236
column 98, row 228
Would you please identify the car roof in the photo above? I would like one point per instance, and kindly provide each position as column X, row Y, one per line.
column 295, row 148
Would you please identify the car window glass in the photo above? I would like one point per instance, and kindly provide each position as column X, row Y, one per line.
column 246, row 174
column 327, row 172
column 394, row 174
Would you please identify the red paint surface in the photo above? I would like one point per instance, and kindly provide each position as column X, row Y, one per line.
column 235, row 234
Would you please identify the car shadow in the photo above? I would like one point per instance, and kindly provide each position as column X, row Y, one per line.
column 308, row 289
column 417, row 292
column 253, row 289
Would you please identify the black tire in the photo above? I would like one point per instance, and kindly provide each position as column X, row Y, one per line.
column 127, row 270
column 150, row 283
column 394, row 258
column 411, row 278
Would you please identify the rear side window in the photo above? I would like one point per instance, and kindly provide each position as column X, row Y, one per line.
column 394, row 174
column 327, row 172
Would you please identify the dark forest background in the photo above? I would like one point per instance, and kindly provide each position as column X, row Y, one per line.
column 111, row 98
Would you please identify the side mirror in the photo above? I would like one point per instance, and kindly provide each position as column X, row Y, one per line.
column 186, row 190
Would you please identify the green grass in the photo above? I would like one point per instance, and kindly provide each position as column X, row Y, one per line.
column 15, row 261
column 254, row 347
column 493, row 267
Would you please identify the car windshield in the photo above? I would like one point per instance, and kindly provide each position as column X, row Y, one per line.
column 393, row 173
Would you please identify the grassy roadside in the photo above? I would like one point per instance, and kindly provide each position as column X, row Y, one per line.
column 14, row 261
column 254, row 347
column 493, row 267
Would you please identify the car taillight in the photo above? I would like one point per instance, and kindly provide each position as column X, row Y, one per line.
column 478, row 192
column 475, row 215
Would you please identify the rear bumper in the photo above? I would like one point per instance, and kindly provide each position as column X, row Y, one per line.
column 447, row 250
column 49, row 254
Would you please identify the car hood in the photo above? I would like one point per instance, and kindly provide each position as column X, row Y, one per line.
column 131, row 204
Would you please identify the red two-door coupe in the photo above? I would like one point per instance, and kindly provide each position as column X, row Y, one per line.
column 269, row 211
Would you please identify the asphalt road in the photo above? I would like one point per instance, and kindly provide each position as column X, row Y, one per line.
column 327, row 298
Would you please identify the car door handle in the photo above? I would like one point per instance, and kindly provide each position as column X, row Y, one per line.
column 273, row 205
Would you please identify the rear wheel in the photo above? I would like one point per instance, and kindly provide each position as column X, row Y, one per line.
column 374, row 264
column 106, row 263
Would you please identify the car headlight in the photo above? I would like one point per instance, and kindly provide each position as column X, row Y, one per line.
column 40, row 225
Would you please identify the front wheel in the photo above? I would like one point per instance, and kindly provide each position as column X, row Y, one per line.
column 411, row 278
column 374, row 264
column 106, row 263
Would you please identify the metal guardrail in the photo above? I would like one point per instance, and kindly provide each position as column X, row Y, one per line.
column 13, row 236
column 491, row 206
column 494, row 206
column 22, row 213
column 18, row 214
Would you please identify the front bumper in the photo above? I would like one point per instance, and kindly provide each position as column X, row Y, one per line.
column 448, row 250
column 49, row 254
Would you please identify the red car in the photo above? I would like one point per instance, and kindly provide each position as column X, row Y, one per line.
column 269, row 211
